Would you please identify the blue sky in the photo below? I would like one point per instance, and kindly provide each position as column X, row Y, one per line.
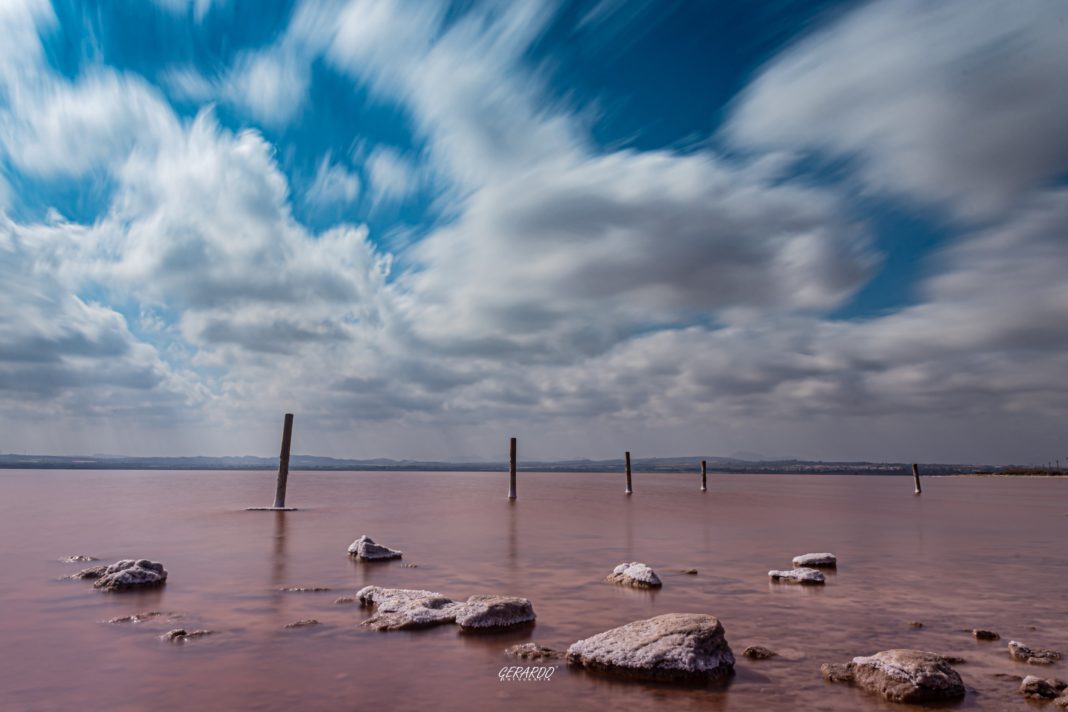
column 821, row 229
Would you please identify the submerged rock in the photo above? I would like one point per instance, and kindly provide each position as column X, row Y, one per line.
column 365, row 549
column 636, row 575
column 758, row 652
column 341, row 600
column 1021, row 652
column 981, row 634
column 689, row 572
column 915, row 624
column 305, row 589
column 303, row 623
column 404, row 609
column 1036, row 688
column 494, row 612
column 533, row 651
column 901, row 676
column 93, row 572
column 78, row 558
column 673, row 646
column 824, row 560
column 143, row 616
column 800, row 575
column 180, row 635
column 129, row 574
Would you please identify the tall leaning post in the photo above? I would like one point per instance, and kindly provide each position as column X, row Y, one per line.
column 511, row 470
column 704, row 476
column 283, row 463
column 916, row 477
column 627, row 458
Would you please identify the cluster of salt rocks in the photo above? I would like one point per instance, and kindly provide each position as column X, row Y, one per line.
column 636, row 575
column 406, row 609
column 125, row 575
column 365, row 549
column 806, row 569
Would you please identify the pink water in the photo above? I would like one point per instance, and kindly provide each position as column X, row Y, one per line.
column 971, row 552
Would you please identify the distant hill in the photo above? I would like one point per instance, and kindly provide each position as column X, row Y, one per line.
column 313, row 462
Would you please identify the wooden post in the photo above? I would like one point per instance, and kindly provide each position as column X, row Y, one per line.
column 511, row 470
column 916, row 477
column 704, row 476
column 283, row 463
column 627, row 457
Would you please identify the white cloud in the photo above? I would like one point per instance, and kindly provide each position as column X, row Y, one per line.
column 392, row 177
column 959, row 101
column 334, row 184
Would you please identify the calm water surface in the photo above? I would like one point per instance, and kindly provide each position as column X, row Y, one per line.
column 971, row 552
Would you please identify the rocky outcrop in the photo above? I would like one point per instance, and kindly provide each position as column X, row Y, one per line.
column 981, row 634
column 365, row 549
column 481, row 612
column 821, row 560
column 636, row 575
column 1035, row 688
column 533, row 651
column 1024, row 654
column 128, row 574
column 809, row 577
column 758, row 652
column 404, row 609
column 673, row 646
column 901, row 676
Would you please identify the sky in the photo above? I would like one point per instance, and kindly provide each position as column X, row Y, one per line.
column 815, row 229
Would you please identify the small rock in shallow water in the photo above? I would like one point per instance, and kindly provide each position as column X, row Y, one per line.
column 690, row 572
column 533, row 651
column 824, row 560
column 128, row 574
column 142, row 617
column 484, row 612
column 915, row 624
column 981, row 634
column 180, row 635
column 636, row 575
column 1021, row 652
column 365, row 549
column 901, row 676
column 673, row 646
column 800, row 575
column 303, row 623
column 344, row 599
column 78, row 558
column 1036, row 688
column 305, row 589
column 93, row 572
column 758, row 652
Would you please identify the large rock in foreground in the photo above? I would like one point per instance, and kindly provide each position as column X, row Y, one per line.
column 1036, row 688
column 674, row 646
column 822, row 560
column 405, row 609
column 636, row 575
column 810, row 577
column 365, row 549
column 127, row 575
column 901, row 676
column 481, row 612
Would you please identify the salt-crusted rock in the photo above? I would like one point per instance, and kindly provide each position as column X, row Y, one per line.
column 303, row 623
column 144, row 616
column 494, row 612
column 404, row 609
column 1061, row 701
column 981, row 634
column 901, row 676
column 533, row 651
column 824, row 560
column 799, row 575
column 365, row 549
column 93, row 572
column 673, row 646
column 304, row 589
column 758, row 652
column 180, row 635
column 128, row 574
column 1036, row 688
column 636, row 575
column 78, row 558
column 341, row 600
column 1021, row 652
